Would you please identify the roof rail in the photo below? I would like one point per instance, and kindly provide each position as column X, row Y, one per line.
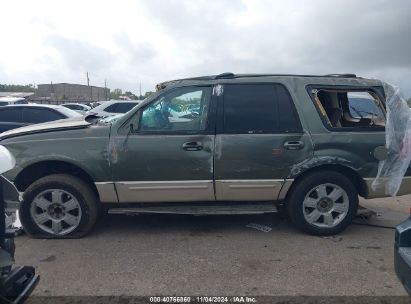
column 225, row 75
column 342, row 75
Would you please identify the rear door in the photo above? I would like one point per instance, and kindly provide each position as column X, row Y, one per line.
column 259, row 140
column 10, row 118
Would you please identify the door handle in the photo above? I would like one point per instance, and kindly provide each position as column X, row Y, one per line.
column 294, row 145
column 192, row 146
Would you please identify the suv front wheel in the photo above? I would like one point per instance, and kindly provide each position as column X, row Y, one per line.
column 58, row 206
column 323, row 203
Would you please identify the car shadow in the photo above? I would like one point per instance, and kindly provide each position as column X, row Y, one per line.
column 194, row 225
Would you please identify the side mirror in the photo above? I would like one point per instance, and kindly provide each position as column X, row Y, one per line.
column 7, row 161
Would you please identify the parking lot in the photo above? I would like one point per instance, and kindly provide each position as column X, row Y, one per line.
column 216, row 255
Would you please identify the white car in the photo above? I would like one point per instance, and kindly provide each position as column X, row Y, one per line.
column 113, row 107
column 5, row 101
column 78, row 107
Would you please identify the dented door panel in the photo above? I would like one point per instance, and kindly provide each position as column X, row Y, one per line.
column 255, row 166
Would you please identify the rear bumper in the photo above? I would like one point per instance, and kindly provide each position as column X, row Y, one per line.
column 405, row 188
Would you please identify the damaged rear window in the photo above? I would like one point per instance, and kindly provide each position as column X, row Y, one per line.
column 349, row 108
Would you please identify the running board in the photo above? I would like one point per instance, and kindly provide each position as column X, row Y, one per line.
column 200, row 209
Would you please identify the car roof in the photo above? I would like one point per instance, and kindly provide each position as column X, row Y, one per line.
column 32, row 105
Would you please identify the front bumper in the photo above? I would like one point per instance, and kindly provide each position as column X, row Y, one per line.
column 18, row 284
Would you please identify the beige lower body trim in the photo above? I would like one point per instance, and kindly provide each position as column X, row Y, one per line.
column 107, row 192
column 248, row 190
column 186, row 191
column 405, row 187
column 165, row 191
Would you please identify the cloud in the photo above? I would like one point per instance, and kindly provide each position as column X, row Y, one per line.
column 80, row 55
column 153, row 41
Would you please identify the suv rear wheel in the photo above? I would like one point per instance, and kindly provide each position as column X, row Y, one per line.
column 58, row 206
column 323, row 203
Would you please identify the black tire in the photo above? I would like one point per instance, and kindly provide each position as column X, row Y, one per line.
column 305, row 185
column 86, row 199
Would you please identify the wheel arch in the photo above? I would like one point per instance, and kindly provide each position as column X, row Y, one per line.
column 350, row 173
column 44, row 168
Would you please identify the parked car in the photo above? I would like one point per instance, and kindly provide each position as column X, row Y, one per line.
column 113, row 107
column 16, row 116
column 78, row 107
column 402, row 253
column 250, row 144
column 17, row 283
column 5, row 101
column 95, row 104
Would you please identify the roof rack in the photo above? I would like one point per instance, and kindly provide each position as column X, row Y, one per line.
column 229, row 75
column 341, row 75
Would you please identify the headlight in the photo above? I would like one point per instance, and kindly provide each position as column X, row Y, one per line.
column 7, row 161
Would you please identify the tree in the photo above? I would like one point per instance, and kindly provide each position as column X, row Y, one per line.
column 116, row 93
column 409, row 102
column 146, row 95
column 16, row 88
column 131, row 95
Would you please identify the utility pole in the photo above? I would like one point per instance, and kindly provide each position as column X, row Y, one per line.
column 105, row 89
column 140, row 91
column 91, row 88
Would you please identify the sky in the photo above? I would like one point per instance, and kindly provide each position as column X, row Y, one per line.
column 128, row 42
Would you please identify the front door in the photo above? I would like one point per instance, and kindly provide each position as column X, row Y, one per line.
column 259, row 140
column 168, row 154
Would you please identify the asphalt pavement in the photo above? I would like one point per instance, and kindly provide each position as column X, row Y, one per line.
column 150, row 255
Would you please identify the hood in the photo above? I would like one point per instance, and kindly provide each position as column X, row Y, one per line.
column 62, row 124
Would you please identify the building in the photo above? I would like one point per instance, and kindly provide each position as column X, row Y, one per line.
column 58, row 93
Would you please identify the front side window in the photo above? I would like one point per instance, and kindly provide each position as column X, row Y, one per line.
column 349, row 108
column 258, row 108
column 183, row 109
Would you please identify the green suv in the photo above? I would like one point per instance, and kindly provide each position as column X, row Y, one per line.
column 209, row 145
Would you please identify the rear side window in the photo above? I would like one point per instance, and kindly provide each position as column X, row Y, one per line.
column 40, row 115
column 125, row 107
column 10, row 115
column 345, row 108
column 258, row 108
